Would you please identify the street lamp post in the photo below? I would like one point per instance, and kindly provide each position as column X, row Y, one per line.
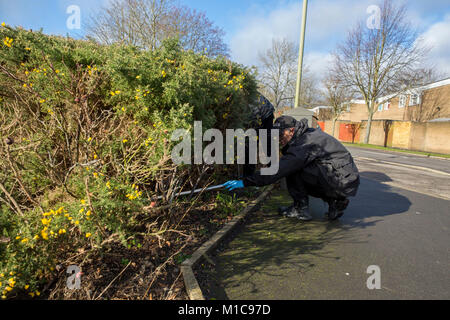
column 300, row 54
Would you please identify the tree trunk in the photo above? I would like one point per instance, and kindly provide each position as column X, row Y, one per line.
column 369, row 122
column 334, row 126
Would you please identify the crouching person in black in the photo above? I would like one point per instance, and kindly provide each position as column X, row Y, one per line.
column 314, row 163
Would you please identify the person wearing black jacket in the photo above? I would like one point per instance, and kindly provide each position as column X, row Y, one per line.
column 314, row 163
column 262, row 112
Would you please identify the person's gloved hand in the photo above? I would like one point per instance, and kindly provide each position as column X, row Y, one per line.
column 233, row 184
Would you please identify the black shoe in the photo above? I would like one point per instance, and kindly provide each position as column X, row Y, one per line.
column 284, row 211
column 336, row 208
column 299, row 210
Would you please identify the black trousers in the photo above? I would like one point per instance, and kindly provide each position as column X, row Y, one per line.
column 249, row 169
column 310, row 182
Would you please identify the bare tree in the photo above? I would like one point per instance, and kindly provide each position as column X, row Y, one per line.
column 195, row 31
column 325, row 114
column 146, row 23
column 354, row 129
column 376, row 60
column 279, row 74
column 337, row 95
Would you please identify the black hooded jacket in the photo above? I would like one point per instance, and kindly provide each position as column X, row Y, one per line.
column 314, row 147
column 261, row 109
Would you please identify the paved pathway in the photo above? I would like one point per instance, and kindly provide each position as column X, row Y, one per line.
column 405, row 233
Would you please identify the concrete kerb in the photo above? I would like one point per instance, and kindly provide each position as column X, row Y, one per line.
column 398, row 152
column 191, row 283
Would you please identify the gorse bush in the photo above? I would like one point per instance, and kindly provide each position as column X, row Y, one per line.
column 85, row 141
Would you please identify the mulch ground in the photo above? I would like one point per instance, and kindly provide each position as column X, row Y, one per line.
column 150, row 272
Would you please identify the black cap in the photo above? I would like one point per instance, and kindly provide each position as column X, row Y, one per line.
column 284, row 122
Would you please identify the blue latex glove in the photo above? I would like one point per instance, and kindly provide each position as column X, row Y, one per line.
column 234, row 184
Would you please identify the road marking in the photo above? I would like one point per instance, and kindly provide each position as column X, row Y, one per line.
column 404, row 165
column 400, row 186
column 380, row 152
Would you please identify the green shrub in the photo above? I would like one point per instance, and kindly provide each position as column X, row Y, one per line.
column 91, row 126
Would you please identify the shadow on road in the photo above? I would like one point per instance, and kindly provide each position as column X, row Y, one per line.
column 273, row 247
column 377, row 176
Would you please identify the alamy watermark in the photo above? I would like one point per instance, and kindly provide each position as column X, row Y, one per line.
column 374, row 281
column 219, row 153
column 74, row 280
column 74, row 20
column 374, row 20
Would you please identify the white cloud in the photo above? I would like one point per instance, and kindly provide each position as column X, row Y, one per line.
column 257, row 31
column 328, row 22
column 438, row 37
column 317, row 63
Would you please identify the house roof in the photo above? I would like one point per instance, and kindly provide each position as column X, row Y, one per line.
column 315, row 109
column 429, row 86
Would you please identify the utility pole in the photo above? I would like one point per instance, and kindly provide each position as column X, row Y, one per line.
column 300, row 54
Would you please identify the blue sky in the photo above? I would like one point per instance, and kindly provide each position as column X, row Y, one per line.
column 251, row 25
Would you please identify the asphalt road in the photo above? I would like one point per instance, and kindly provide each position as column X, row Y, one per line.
column 439, row 164
column 405, row 232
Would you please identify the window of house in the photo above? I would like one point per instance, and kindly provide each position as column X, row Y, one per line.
column 380, row 107
column 345, row 107
column 402, row 101
column 414, row 99
column 387, row 105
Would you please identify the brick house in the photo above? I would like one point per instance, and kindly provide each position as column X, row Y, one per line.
column 421, row 104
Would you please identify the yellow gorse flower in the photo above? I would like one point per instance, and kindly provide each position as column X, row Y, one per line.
column 8, row 42
column 44, row 234
column 135, row 194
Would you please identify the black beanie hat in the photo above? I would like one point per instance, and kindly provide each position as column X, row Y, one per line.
column 284, row 122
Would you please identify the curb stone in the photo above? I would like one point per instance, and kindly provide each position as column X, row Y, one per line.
column 399, row 152
column 191, row 283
